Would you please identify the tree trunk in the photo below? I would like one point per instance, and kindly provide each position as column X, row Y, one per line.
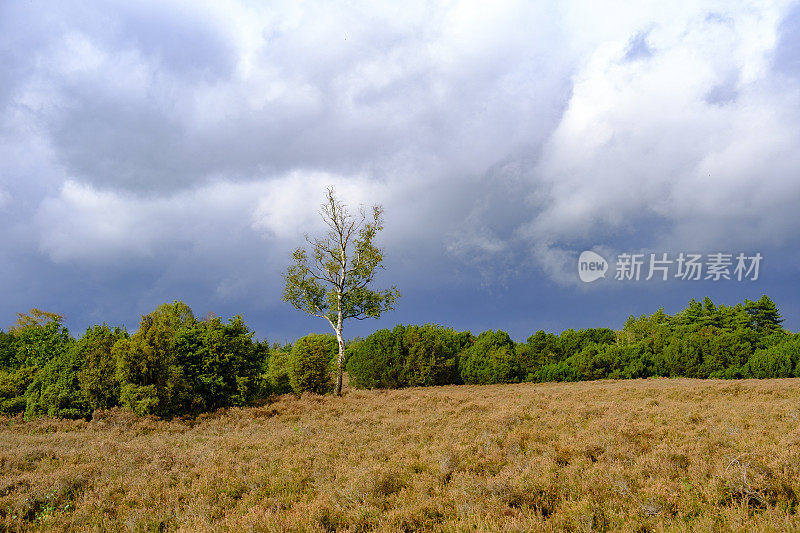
column 340, row 363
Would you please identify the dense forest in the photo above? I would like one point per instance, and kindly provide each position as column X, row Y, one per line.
column 178, row 365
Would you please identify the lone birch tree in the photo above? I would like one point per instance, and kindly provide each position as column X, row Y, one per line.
column 333, row 280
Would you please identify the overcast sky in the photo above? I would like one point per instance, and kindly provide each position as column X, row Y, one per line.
column 153, row 151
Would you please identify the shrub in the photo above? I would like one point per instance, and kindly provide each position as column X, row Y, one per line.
column 56, row 392
column 278, row 370
column 7, row 350
column 141, row 399
column 97, row 378
column 632, row 361
column 778, row 361
column 407, row 356
column 147, row 362
column 595, row 361
column 219, row 364
column 36, row 344
column 561, row 371
column 310, row 363
column 376, row 362
column 430, row 355
column 13, row 385
column 490, row 359
column 571, row 342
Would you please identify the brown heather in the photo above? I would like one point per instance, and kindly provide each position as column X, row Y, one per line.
column 647, row 455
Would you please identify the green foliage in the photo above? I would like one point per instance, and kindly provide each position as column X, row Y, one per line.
column 176, row 365
column 560, row 371
column 572, row 342
column 36, row 344
column 141, row 399
column 277, row 375
column 334, row 282
column 97, row 378
column 701, row 341
column 56, row 391
column 377, row 361
column 543, row 348
column 490, row 359
column 781, row 360
column 13, row 385
column 644, row 327
column 261, row 387
column 763, row 314
column 8, row 354
column 632, row 361
column 40, row 368
column 683, row 356
column 219, row 364
column 407, row 356
column 152, row 379
column 595, row 361
column 80, row 380
column 431, row 355
column 310, row 363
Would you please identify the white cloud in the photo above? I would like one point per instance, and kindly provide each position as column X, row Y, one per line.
column 641, row 143
column 84, row 224
column 289, row 206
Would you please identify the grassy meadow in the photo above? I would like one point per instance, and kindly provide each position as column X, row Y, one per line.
column 636, row 455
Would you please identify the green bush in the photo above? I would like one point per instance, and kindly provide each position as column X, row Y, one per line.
column 141, row 399
column 781, row 360
column 8, row 353
column 175, row 364
column 430, row 355
column 277, row 375
column 147, row 361
column 56, row 392
column 13, row 385
column 310, row 363
column 769, row 363
column 540, row 349
column 572, row 341
column 561, row 371
column 220, row 364
column 490, row 359
column 595, row 361
column 376, row 362
column 632, row 361
column 407, row 356
column 36, row 344
column 97, row 377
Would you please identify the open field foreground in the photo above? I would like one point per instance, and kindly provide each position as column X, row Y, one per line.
column 627, row 455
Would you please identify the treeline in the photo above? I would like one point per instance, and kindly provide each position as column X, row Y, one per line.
column 702, row 341
column 176, row 364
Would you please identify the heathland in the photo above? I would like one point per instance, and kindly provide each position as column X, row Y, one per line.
column 631, row 455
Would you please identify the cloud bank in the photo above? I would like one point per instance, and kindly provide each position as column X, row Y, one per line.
column 185, row 147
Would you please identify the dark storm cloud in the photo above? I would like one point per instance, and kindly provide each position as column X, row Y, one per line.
column 149, row 99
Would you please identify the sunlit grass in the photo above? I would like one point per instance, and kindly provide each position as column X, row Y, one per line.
column 626, row 455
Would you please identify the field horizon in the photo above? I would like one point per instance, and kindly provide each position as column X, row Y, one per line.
column 632, row 455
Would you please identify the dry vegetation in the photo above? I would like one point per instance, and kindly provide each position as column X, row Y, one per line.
column 627, row 455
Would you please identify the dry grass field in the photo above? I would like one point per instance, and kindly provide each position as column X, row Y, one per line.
column 647, row 455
